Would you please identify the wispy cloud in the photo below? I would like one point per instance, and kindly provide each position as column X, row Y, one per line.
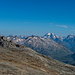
column 64, row 26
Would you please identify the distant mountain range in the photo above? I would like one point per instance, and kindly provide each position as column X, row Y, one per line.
column 68, row 41
column 51, row 45
column 44, row 45
column 16, row 39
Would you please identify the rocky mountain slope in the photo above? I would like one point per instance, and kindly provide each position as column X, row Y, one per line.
column 16, row 59
column 46, row 47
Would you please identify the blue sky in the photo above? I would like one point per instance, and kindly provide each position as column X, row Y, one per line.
column 37, row 17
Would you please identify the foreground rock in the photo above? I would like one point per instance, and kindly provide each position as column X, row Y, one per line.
column 20, row 60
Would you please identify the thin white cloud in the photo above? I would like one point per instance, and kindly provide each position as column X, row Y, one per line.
column 64, row 26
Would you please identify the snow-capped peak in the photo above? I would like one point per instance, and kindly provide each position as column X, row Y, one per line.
column 48, row 33
column 51, row 35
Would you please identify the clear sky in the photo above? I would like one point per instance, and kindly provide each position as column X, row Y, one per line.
column 37, row 17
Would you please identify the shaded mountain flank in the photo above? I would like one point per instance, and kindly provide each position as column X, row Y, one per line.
column 69, row 59
column 16, row 59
